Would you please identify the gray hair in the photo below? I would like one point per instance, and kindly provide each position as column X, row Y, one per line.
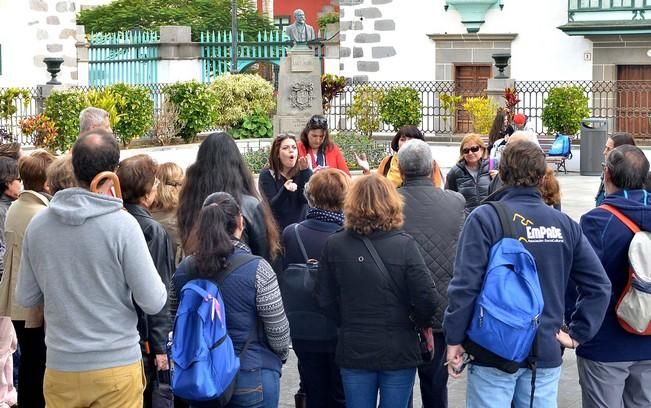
column 415, row 158
column 91, row 118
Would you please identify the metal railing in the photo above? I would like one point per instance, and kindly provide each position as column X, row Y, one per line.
column 25, row 108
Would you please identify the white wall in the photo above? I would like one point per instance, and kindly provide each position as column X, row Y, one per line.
column 540, row 52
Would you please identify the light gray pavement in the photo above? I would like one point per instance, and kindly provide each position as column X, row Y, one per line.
column 577, row 198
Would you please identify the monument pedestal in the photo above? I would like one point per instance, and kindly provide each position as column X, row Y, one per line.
column 299, row 90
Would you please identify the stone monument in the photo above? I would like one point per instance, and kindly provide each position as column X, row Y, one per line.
column 299, row 80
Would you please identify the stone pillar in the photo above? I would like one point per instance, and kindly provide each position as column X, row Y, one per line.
column 82, row 55
column 179, row 55
column 495, row 90
column 299, row 90
column 331, row 52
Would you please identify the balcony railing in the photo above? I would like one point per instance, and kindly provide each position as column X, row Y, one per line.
column 608, row 10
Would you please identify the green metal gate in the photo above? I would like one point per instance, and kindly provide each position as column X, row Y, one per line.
column 130, row 57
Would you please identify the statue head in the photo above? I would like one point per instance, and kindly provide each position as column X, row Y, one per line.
column 299, row 16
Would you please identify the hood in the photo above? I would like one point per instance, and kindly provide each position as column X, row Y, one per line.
column 635, row 204
column 75, row 205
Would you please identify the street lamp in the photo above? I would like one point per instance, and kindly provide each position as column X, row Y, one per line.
column 233, row 36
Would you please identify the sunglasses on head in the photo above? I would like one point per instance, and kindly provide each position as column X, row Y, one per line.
column 319, row 122
column 473, row 149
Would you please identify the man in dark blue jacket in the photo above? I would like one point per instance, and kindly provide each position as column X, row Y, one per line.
column 560, row 251
column 615, row 366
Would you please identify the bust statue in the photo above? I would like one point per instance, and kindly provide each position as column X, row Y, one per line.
column 299, row 32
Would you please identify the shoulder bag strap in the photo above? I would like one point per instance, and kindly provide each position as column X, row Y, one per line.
column 620, row 216
column 300, row 242
column 500, row 209
column 378, row 261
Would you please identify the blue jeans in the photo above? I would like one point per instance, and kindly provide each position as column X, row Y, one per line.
column 489, row 387
column 256, row 389
column 361, row 387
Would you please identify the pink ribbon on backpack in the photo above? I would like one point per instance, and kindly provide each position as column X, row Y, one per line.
column 216, row 308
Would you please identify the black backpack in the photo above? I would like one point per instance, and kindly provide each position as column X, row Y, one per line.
column 297, row 283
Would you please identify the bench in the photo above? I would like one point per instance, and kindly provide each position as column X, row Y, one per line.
column 545, row 144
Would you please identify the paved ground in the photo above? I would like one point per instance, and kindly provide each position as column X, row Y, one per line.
column 577, row 198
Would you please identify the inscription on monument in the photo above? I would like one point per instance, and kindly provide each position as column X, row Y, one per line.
column 302, row 63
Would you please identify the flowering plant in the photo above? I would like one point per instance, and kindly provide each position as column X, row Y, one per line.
column 511, row 97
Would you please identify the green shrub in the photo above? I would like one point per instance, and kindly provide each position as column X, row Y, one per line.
column 564, row 109
column 239, row 96
column 482, row 111
column 331, row 86
column 351, row 143
column 257, row 159
column 135, row 110
column 105, row 98
column 8, row 101
column 256, row 124
column 63, row 107
column 195, row 102
column 366, row 109
column 326, row 19
column 401, row 106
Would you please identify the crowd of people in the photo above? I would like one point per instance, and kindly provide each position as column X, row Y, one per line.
column 394, row 265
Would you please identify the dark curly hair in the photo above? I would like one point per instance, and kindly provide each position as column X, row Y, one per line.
column 317, row 122
column 219, row 167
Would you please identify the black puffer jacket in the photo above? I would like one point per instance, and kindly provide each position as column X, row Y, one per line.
column 474, row 190
column 376, row 332
column 434, row 217
column 155, row 328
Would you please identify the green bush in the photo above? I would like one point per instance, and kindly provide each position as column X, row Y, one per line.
column 564, row 109
column 257, row 159
column 366, row 109
column 482, row 111
column 9, row 98
column 195, row 102
column 351, row 143
column 257, row 124
column 63, row 107
column 401, row 106
column 326, row 19
column 105, row 98
column 135, row 110
column 239, row 96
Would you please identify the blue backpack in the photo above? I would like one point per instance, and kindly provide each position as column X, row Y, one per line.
column 508, row 309
column 561, row 147
column 204, row 362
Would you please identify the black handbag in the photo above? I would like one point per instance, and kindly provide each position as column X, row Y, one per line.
column 425, row 335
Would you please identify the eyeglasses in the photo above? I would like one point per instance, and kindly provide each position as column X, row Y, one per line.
column 318, row 122
column 473, row 149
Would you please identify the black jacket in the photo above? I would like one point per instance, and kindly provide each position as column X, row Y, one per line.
column 288, row 207
column 255, row 230
column 155, row 328
column 434, row 217
column 376, row 332
column 459, row 179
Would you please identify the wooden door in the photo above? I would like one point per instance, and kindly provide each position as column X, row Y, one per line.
column 634, row 100
column 469, row 81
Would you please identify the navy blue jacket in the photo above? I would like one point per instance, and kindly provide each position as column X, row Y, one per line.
column 610, row 240
column 560, row 250
column 239, row 295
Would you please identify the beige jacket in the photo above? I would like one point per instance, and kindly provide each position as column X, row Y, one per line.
column 21, row 212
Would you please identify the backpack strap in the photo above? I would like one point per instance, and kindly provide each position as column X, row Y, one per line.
column 235, row 262
column 501, row 210
column 620, row 216
column 300, row 242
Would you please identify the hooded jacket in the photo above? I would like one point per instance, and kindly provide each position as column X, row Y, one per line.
column 87, row 261
column 610, row 239
column 560, row 251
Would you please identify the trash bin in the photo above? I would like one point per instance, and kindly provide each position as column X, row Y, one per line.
column 594, row 135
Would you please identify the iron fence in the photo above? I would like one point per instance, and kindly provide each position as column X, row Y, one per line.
column 625, row 104
column 25, row 108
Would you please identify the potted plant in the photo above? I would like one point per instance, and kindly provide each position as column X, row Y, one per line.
column 564, row 109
